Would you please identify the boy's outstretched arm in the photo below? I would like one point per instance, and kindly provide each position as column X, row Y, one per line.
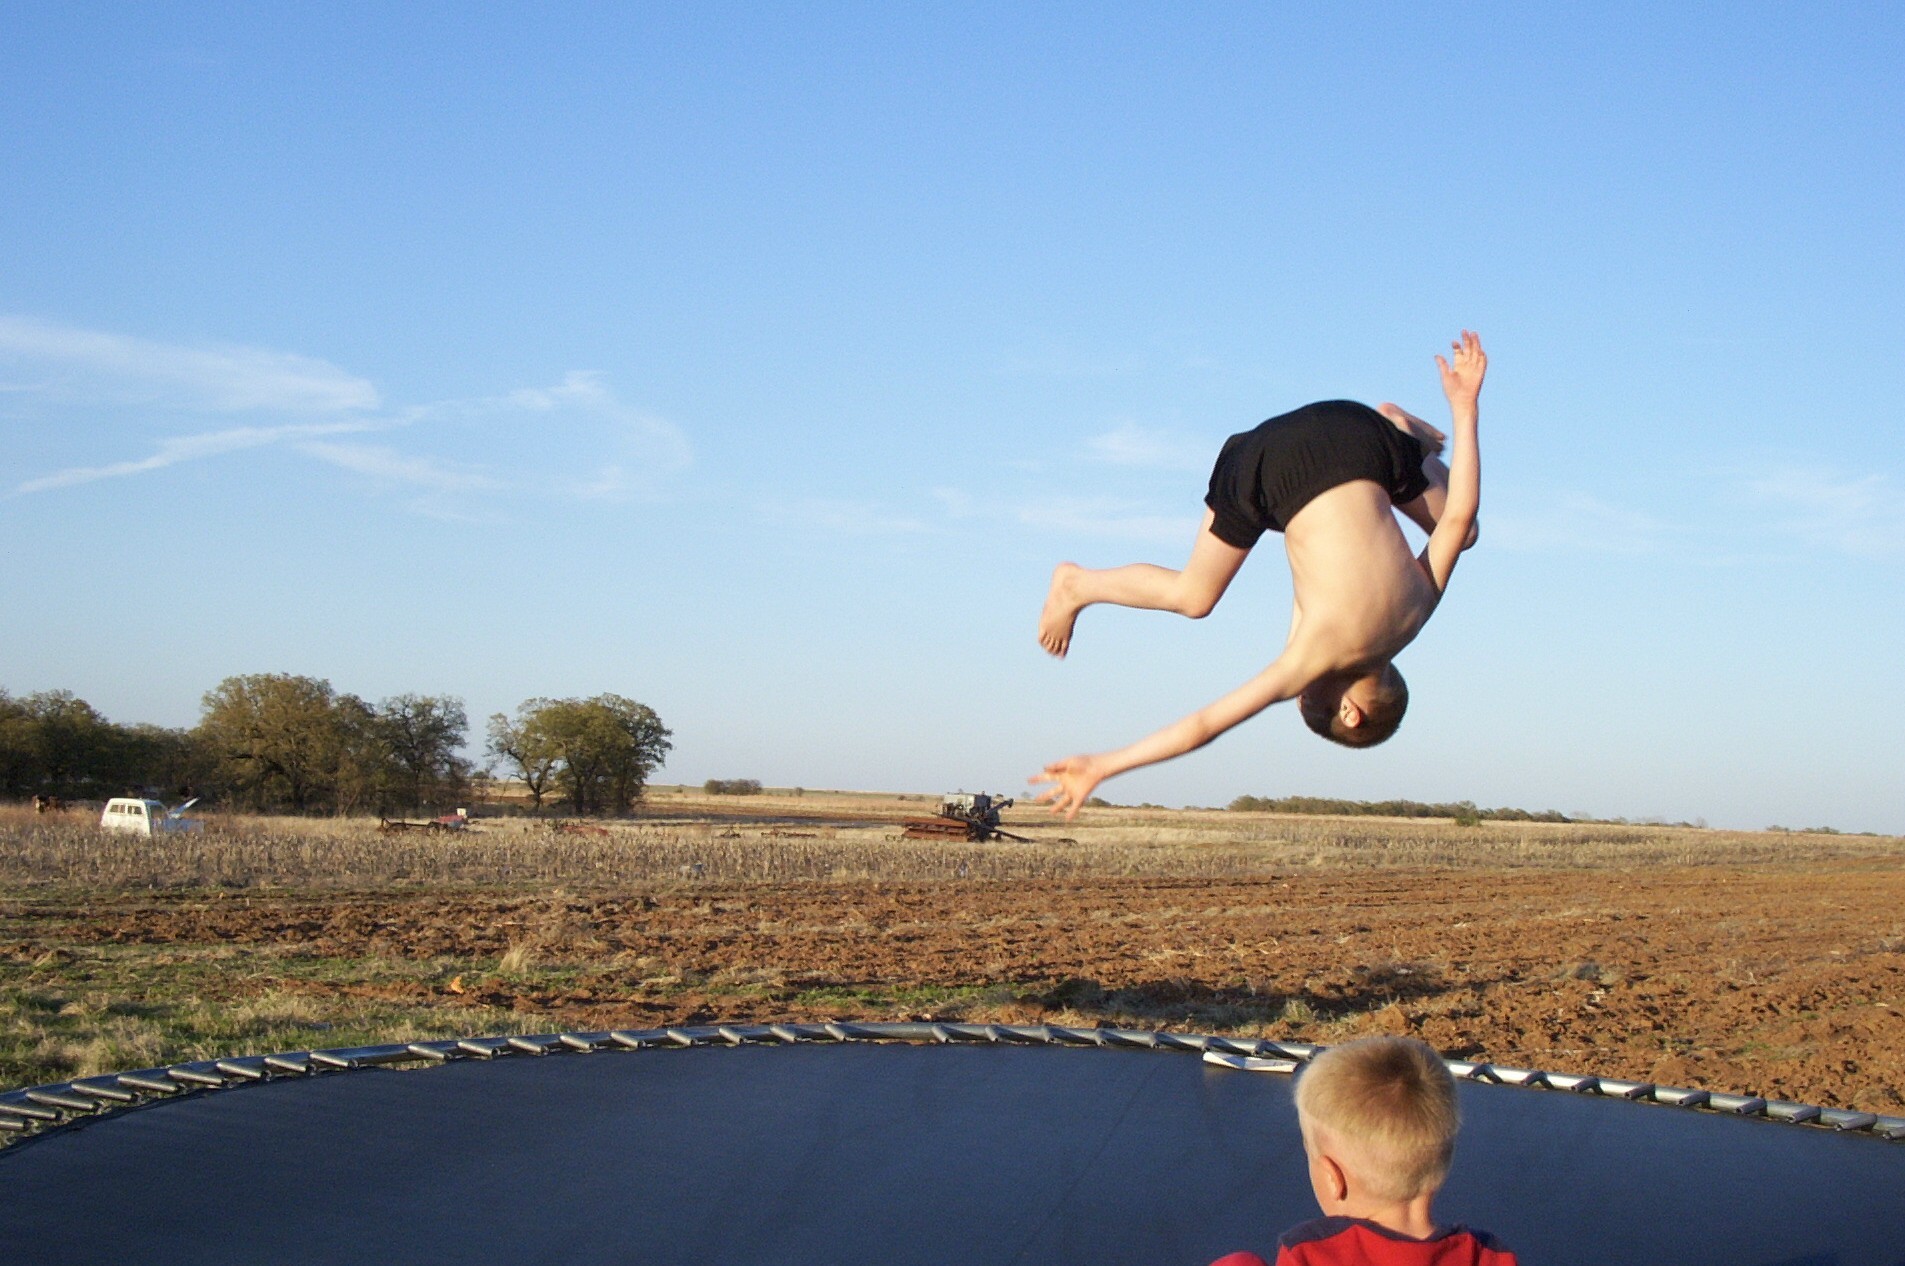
column 1077, row 776
column 1462, row 383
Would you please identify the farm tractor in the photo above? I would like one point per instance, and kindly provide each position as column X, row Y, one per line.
column 964, row 815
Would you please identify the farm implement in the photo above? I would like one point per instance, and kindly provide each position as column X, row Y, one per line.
column 965, row 815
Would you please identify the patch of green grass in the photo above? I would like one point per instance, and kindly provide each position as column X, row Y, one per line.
column 93, row 1033
column 81, row 1010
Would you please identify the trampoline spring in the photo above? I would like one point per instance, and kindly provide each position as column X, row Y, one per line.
column 1251, row 1063
column 249, row 1069
column 948, row 1033
column 441, row 1052
column 197, row 1074
column 583, row 1042
column 1738, row 1105
column 1681, row 1097
column 357, row 1056
column 106, row 1091
column 483, row 1048
column 530, row 1045
column 64, row 1100
column 1023, row 1033
column 969, row 1032
column 153, row 1082
column 902, row 1030
column 1795, row 1113
column 1624, row 1089
column 1514, row 1076
column 843, row 1032
column 32, row 1112
column 1842, row 1119
column 1571, row 1081
column 297, row 1065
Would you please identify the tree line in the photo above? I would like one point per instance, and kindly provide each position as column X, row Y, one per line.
column 281, row 742
column 1460, row 810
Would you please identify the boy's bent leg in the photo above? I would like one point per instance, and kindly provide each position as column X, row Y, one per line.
column 1192, row 591
column 1432, row 440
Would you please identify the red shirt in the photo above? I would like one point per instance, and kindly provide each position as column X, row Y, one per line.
column 1357, row 1242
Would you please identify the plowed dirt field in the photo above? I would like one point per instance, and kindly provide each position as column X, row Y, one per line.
column 1784, row 980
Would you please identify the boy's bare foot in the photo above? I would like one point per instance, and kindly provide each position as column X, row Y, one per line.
column 1061, row 611
column 1432, row 440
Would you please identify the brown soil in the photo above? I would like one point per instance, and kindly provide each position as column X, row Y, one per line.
column 1785, row 981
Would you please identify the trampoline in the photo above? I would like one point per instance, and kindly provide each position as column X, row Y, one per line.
column 887, row 1143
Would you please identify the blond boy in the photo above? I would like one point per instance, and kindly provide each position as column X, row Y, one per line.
column 1379, row 1120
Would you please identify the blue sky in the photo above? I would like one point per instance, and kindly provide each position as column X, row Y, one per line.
column 758, row 362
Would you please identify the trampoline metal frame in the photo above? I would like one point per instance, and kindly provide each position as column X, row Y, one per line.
column 24, row 1113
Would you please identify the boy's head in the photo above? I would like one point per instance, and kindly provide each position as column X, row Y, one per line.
column 1358, row 711
column 1382, row 1111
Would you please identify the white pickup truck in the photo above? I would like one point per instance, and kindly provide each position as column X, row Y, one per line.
column 148, row 817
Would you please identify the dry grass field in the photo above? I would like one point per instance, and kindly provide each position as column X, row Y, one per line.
column 1771, row 963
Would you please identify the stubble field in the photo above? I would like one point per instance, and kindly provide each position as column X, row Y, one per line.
column 1764, row 963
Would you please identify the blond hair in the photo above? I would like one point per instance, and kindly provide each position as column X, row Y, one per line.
column 1384, row 1108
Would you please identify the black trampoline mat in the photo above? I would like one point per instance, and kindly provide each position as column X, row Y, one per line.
column 890, row 1153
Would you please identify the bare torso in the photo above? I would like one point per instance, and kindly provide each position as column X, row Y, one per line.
column 1361, row 594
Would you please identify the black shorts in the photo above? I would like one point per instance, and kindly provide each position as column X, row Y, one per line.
column 1264, row 476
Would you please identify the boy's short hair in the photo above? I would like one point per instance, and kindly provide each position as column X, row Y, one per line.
column 1388, row 1107
column 1380, row 718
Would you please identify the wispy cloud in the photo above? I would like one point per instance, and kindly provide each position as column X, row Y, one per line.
column 213, row 378
column 185, row 448
column 1856, row 515
column 1130, row 444
column 1106, row 518
column 387, row 465
column 656, row 444
column 575, row 440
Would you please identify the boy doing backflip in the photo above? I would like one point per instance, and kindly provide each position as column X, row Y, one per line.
column 1328, row 477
